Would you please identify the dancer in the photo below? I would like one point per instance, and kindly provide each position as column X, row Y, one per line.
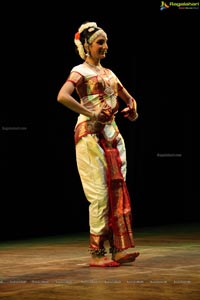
column 100, row 147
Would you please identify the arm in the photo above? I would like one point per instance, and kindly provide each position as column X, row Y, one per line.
column 103, row 114
column 65, row 97
column 130, row 111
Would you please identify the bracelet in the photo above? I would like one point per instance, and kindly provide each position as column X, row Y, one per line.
column 135, row 117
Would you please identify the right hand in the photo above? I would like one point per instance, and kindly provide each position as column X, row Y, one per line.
column 104, row 114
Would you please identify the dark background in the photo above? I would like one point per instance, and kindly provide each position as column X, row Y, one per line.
column 155, row 55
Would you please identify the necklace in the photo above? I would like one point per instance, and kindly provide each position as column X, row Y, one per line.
column 98, row 67
column 110, row 98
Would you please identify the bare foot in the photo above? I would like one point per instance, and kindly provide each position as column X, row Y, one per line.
column 103, row 262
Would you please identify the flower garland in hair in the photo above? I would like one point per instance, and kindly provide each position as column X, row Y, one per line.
column 96, row 34
column 86, row 26
column 77, row 41
column 79, row 45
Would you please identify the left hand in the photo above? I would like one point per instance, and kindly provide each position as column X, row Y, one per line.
column 130, row 113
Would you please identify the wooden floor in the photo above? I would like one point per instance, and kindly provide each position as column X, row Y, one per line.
column 57, row 268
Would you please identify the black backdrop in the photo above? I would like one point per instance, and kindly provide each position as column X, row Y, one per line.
column 155, row 55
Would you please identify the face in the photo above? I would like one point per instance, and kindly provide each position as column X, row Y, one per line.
column 98, row 48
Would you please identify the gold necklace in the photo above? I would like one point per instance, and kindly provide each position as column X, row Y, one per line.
column 99, row 67
column 108, row 90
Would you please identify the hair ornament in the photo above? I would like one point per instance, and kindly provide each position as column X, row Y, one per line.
column 91, row 29
column 86, row 26
column 77, row 36
column 79, row 45
column 96, row 34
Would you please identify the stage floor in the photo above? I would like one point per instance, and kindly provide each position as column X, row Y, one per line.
column 57, row 268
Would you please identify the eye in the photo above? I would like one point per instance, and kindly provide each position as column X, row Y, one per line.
column 101, row 42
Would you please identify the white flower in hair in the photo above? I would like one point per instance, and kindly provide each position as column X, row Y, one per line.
column 79, row 45
column 86, row 26
column 91, row 29
column 96, row 34
column 80, row 48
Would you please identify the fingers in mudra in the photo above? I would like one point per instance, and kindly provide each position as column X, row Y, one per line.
column 105, row 114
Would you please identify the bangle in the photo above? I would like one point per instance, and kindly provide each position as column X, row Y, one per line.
column 134, row 118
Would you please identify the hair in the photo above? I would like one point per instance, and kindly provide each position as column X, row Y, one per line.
column 87, row 33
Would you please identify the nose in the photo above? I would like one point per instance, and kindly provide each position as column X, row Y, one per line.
column 105, row 47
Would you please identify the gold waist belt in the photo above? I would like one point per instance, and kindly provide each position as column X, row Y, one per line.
column 87, row 127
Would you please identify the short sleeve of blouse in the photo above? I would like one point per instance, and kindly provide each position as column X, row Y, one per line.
column 75, row 77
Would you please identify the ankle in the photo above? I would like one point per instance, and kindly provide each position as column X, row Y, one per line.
column 115, row 251
column 97, row 253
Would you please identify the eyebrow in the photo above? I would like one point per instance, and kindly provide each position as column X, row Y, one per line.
column 101, row 40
